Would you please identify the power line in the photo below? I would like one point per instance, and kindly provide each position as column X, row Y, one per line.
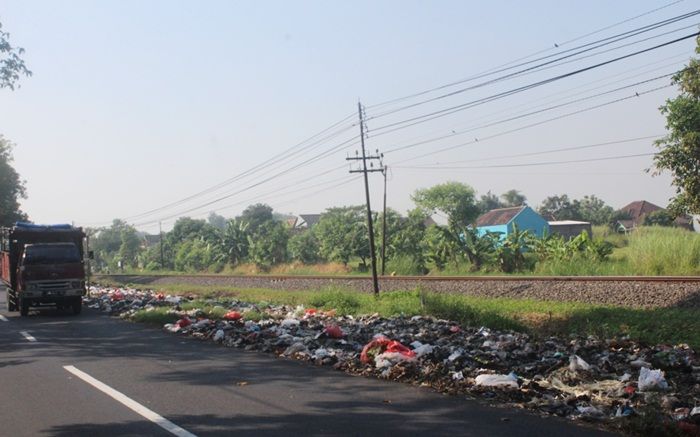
column 520, row 128
column 549, row 64
column 557, row 150
column 539, row 111
column 506, row 67
column 250, row 171
column 256, row 184
column 453, row 109
column 533, row 164
column 545, row 100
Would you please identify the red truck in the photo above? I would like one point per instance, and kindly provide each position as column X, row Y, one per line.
column 43, row 265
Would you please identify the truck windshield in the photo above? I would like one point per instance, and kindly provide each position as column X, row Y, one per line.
column 51, row 254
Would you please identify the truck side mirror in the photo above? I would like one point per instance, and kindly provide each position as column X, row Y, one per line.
column 91, row 254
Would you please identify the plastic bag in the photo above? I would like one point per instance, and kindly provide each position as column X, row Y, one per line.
column 219, row 335
column 184, row 322
column 334, row 331
column 389, row 359
column 232, row 315
column 650, row 380
column 577, row 363
column 509, row 380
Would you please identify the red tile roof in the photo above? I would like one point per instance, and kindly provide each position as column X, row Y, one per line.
column 638, row 210
column 499, row 216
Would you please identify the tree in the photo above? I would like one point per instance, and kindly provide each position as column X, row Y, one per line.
column 11, row 187
column 268, row 245
column 107, row 243
column 660, row 217
column 488, row 201
column 680, row 149
column 233, row 243
column 11, row 62
column 129, row 247
column 187, row 228
column 513, row 198
column 196, row 255
column 256, row 215
column 593, row 209
column 342, row 234
column 304, row 247
column 217, row 221
column 558, row 208
column 455, row 199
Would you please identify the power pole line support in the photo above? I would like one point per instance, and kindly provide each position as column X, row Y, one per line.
column 384, row 171
column 162, row 260
column 365, row 171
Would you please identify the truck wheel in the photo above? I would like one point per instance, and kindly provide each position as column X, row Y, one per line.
column 11, row 301
column 24, row 307
column 77, row 305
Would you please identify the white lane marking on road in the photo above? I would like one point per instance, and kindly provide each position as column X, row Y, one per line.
column 28, row 336
column 130, row 403
column 3, row 318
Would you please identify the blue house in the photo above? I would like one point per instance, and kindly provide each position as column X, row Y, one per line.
column 502, row 220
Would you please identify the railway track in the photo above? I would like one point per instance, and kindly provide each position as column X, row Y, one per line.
column 511, row 278
column 626, row 291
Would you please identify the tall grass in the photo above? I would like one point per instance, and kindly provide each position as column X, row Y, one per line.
column 662, row 251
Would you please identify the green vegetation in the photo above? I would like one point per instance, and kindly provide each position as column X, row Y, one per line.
column 259, row 241
column 540, row 318
column 680, row 150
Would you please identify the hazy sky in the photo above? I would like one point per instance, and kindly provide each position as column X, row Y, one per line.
column 134, row 105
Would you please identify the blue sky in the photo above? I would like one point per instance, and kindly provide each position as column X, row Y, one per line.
column 134, row 105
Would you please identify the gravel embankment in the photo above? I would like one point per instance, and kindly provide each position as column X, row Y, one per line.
column 642, row 294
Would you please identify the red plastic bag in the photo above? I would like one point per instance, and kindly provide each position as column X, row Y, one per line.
column 334, row 331
column 117, row 296
column 160, row 296
column 374, row 347
column 184, row 322
column 233, row 315
column 395, row 346
column 310, row 311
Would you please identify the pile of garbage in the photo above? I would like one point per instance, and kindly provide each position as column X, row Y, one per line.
column 583, row 378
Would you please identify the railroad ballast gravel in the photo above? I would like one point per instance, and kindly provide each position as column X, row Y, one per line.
column 635, row 294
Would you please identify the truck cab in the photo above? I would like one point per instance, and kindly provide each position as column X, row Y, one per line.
column 43, row 265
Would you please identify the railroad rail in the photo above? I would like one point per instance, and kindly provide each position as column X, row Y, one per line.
column 510, row 278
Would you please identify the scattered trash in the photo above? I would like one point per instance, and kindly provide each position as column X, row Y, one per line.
column 334, row 331
column 577, row 363
column 509, row 380
column 219, row 335
column 651, row 380
column 581, row 377
column 233, row 315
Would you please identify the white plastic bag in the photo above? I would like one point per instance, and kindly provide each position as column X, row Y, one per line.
column 650, row 380
column 509, row 380
column 577, row 363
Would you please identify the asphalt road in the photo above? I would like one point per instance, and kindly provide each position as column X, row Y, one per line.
column 205, row 389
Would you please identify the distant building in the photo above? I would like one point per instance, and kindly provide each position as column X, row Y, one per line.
column 569, row 229
column 503, row 220
column 637, row 212
column 308, row 220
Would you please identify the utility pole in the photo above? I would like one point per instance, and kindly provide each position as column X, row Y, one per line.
column 384, row 171
column 162, row 261
column 364, row 171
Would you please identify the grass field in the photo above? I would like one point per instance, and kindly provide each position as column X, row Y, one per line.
column 540, row 318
